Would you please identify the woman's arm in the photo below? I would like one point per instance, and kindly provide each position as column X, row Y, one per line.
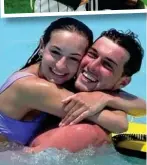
column 45, row 96
column 79, row 106
column 39, row 94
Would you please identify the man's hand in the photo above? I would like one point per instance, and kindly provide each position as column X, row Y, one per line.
column 82, row 105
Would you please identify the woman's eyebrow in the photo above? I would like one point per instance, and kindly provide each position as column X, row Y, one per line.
column 56, row 47
column 75, row 54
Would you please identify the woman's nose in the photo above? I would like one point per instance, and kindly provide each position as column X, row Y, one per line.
column 62, row 64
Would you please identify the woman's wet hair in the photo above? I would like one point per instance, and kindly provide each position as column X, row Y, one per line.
column 130, row 42
column 67, row 24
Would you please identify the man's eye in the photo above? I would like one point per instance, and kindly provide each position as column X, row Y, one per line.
column 107, row 65
column 92, row 55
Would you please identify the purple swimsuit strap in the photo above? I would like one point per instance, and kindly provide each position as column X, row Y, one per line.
column 16, row 76
column 13, row 78
column 25, row 131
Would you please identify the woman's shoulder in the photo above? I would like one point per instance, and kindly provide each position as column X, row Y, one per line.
column 30, row 82
column 33, row 86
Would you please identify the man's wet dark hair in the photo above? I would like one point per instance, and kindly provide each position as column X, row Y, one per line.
column 130, row 42
column 66, row 23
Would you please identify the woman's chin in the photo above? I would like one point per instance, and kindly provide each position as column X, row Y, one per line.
column 57, row 82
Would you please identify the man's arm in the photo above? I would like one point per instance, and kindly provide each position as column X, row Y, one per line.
column 112, row 120
column 129, row 103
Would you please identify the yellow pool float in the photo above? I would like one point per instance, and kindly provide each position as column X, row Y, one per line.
column 133, row 142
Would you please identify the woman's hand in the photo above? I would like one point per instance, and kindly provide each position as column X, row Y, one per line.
column 83, row 105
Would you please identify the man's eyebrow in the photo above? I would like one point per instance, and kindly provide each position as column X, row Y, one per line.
column 94, row 50
column 111, row 61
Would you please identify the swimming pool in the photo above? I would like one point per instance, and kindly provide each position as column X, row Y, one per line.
column 19, row 37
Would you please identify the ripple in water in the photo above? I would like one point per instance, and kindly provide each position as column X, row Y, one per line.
column 11, row 154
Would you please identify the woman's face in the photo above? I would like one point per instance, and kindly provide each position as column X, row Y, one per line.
column 62, row 56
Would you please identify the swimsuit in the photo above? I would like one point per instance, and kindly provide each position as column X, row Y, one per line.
column 14, row 130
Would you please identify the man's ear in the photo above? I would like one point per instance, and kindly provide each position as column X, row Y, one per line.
column 124, row 81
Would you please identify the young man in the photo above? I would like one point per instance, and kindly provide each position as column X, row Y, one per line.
column 108, row 66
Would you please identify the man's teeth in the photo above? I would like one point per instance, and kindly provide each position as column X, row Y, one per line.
column 89, row 77
column 59, row 74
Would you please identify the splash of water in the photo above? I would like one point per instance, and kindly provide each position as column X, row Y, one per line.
column 95, row 156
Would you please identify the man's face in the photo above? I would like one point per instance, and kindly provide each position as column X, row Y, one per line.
column 102, row 67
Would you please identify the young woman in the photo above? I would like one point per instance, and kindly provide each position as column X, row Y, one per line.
column 72, row 38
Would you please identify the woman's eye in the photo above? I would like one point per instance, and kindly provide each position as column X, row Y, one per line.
column 55, row 52
column 75, row 59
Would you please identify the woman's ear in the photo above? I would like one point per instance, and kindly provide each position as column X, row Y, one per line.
column 41, row 45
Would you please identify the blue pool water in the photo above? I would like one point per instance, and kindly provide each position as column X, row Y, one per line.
column 19, row 37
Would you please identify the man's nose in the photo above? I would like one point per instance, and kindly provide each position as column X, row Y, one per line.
column 94, row 65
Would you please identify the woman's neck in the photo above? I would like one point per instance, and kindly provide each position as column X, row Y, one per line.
column 34, row 69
